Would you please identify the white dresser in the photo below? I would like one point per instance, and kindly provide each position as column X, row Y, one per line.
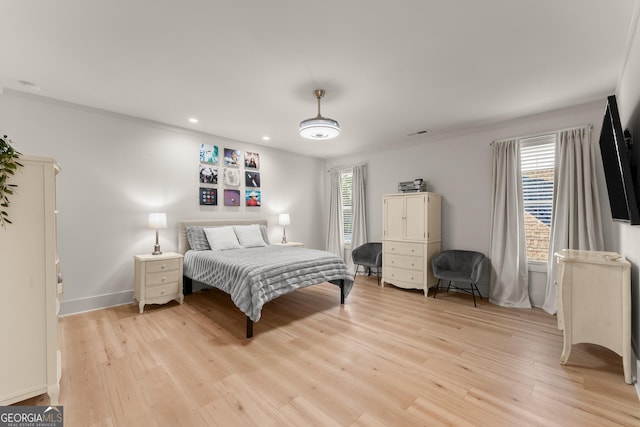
column 411, row 237
column 594, row 302
column 30, row 279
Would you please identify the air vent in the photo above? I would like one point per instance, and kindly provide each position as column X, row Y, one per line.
column 420, row 132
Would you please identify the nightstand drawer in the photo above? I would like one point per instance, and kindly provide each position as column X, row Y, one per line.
column 162, row 278
column 163, row 265
column 160, row 291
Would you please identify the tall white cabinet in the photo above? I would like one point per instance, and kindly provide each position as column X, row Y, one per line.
column 30, row 279
column 412, row 235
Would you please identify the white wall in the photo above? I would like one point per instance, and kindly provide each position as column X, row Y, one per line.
column 459, row 168
column 116, row 169
column 628, row 97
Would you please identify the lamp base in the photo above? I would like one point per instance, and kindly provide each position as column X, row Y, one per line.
column 284, row 240
column 156, row 247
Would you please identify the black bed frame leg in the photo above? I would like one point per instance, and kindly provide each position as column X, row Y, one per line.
column 342, row 291
column 249, row 328
column 187, row 285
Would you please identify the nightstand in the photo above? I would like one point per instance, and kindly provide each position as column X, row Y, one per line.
column 294, row 244
column 158, row 279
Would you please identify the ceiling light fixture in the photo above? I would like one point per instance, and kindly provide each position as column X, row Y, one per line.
column 193, row 120
column 319, row 127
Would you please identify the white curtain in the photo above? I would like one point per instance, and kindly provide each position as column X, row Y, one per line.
column 334, row 238
column 359, row 209
column 577, row 223
column 509, row 276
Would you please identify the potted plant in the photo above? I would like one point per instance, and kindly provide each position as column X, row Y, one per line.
column 9, row 164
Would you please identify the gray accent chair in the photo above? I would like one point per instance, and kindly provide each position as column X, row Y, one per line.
column 459, row 266
column 369, row 256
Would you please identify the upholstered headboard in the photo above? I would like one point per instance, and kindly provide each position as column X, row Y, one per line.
column 183, row 243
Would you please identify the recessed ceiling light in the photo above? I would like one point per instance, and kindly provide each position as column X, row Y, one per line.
column 266, row 138
column 29, row 85
column 193, row 120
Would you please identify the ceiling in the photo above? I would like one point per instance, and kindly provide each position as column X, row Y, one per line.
column 248, row 68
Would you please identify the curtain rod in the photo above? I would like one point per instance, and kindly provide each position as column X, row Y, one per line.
column 533, row 135
column 335, row 168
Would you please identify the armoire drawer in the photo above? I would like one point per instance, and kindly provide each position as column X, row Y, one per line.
column 409, row 276
column 403, row 261
column 403, row 248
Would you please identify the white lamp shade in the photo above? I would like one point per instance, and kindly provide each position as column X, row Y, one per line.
column 284, row 219
column 157, row 220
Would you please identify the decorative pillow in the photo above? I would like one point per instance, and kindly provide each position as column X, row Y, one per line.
column 222, row 238
column 197, row 239
column 249, row 236
column 265, row 235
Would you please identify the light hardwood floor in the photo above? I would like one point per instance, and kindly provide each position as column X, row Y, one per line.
column 388, row 357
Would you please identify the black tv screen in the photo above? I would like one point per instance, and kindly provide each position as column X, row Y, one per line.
column 617, row 167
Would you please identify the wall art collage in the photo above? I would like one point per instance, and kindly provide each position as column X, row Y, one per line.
column 229, row 171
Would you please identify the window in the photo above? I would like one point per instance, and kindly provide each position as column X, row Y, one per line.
column 537, row 161
column 346, row 185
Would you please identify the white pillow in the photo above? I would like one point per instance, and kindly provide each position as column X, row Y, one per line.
column 249, row 236
column 222, row 238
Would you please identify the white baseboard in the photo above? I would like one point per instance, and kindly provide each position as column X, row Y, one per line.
column 95, row 303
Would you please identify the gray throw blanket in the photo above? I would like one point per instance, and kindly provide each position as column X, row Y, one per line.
column 255, row 276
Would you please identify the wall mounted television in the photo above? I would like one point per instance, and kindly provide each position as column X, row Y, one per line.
column 617, row 167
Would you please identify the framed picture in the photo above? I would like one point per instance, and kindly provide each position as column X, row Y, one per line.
column 208, row 174
column 232, row 157
column 251, row 179
column 231, row 197
column 208, row 153
column 252, row 198
column 231, row 177
column 208, row 196
column 251, row 160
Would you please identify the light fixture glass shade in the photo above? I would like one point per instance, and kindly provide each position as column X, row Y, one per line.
column 319, row 128
column 284, row 219
column 157, row 220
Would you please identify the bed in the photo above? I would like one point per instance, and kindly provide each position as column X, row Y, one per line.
column 253, row 274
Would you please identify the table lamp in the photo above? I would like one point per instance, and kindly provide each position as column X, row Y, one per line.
column 157, row 220
column 284, row 219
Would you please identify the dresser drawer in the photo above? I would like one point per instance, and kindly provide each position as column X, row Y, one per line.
column 163, row 265
column 162, row 278
column 404, row 248
column 409, row 276
column 171, row 289
column 403, row 261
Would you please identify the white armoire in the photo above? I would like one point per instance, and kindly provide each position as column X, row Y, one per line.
column 30, row 279
column 411, row 236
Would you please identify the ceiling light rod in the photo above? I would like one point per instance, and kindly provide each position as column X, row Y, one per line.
column 319, row 93
column 319, row 127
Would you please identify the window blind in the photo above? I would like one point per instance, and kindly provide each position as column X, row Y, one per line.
column 346, row 185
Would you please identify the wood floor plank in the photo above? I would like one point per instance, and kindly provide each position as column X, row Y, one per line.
column 387, row 357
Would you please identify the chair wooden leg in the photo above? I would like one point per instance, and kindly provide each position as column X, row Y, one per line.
column 448, row 287
column 356, row 273
column 435, row 291
column 378, row 274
